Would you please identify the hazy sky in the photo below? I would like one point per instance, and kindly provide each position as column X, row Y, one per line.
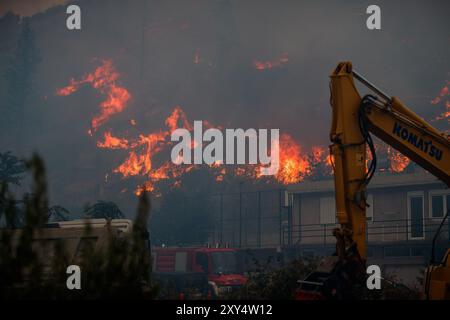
column 154, row 45
column 27, row 8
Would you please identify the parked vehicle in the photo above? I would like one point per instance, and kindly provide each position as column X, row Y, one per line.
column 200, row 272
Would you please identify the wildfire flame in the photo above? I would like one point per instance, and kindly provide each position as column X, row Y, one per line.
column 104, row 79
column 146, row 152
column 112, row 142
column 294, row 166
column 142, row 152
column 398, row 162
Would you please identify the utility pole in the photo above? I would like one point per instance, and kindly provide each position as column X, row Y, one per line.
column 259, row 219
column 221, row 218
column 240, row 214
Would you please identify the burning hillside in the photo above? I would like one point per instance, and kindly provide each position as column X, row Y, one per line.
column 146, row 155
column 103, row 79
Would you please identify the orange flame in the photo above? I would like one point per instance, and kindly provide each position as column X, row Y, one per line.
column 103, row 79
column 175, row 118
column 112, row 142
column 398, row 162
column 143, row 150
column 322, row 156
column 294, row 166
column 146, row 151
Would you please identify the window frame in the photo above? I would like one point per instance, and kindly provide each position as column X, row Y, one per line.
column 437, row 192
column 333, row 198
column 410, row 195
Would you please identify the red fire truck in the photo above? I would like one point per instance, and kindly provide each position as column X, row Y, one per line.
column 197, row 272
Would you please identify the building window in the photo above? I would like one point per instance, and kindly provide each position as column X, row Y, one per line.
column 439, row 203
column 327, row 210
column 416, row 216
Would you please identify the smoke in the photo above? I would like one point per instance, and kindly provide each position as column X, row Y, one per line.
column 201, row 55
column 27, row 8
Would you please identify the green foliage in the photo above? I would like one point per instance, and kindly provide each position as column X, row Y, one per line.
column 119, row 268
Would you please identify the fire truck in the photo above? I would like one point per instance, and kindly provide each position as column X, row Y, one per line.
column 197, row 272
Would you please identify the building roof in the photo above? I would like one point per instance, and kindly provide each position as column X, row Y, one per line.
column 380, row 180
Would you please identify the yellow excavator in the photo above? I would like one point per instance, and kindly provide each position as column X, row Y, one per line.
column 353, row 120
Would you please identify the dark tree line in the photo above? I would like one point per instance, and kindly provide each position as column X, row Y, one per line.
column 120, row 269
column 12, row 172
column 19, row 78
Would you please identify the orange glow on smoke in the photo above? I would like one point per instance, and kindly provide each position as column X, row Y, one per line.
column 197, row 57
column 443, row 96
column 263, row 65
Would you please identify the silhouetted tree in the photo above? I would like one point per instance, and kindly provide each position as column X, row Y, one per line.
column 58, row 213
column 120, row 268
column 12, row 171
column 11, row 168
column 103, row 209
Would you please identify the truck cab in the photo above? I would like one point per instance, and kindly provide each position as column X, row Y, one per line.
column 216, row 269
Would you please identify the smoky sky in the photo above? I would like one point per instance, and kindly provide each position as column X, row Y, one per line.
column 27, row 8
column 153, row 45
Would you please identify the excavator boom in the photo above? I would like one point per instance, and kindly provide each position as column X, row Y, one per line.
column 354, row 118
column 391, row 121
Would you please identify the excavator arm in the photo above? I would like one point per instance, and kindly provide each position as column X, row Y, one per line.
column 390, row 120
column 353, row 119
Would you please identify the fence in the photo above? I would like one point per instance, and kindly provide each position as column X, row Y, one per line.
column 264, row 219
column 248, row 219
column 377, row 232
